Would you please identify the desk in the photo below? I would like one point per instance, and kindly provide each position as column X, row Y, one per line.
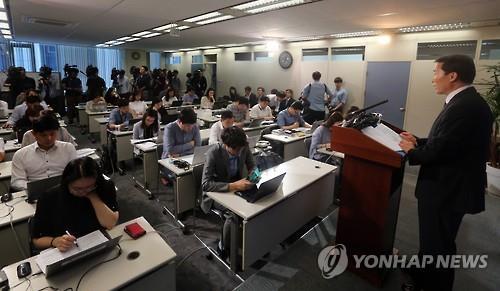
column 330, row 153
column 124, row 150
column 5, row 173
column 306, row 191
column 184, row 184
column 255, row 131
column 11, row 146
column 92, row 123
column 6, row 133
column 82, row 115
column 23, row 211
column 103, row 126
column 154, row 267
column 150, row 165
column 293, row 145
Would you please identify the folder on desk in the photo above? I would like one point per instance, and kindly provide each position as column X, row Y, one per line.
column 52, row 261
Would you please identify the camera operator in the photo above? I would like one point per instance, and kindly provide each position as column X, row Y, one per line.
column 199, row 83
column 123, row 85
column 94, row 82
column 143, row 82
column 159, row 81
column 49, row 87
column 18, row 82
column 72, row 86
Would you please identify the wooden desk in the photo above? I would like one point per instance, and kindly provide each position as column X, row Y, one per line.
column 306, row 191
column 293, row 144
column 154, row 267
column 21, row 212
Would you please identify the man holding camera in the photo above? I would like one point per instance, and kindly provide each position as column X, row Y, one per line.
column 72, row 86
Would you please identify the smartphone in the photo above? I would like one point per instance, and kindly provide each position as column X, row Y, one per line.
column 134, row 230
column 255, row 175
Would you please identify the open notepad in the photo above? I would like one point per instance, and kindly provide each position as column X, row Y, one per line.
column 53, row 255
column 384, row 135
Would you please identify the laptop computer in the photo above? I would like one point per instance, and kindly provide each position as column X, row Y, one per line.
column 199, row 154
column 255, row 193
column 81, row 256
column 219, row 104
column 35, row 189
column 176, row 103
column 255, row 122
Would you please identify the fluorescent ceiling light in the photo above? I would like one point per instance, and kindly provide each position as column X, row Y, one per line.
column 253, row 4
column 101, row 45
column 448, row 26
column 217, row 19
column 132, row 39
column 387, row 14
column 4, row 25
column 354, row 34
column 111, row 42
column 141, row 33
column 3, row 16
column 305, row 38
column 151, row 35
column 5, row 31
column 228, row 45
column 7, row 37
column 206, row 47
column 124, row 38
column 164, row 27
column 275, row 6
column 204, row 16
column 119, row 42
column 182, row 27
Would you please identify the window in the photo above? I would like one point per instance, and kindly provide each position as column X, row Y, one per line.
column 174, row 60
column 4, row 57
column 45, row 55
column 197, row 59
column 23, row 55
column 315, row 54
column 211, row 58
column 247, row 56
column 353, row 53
column 261, row 57
column 154, row 60
column 490, row 49
column 434, row 50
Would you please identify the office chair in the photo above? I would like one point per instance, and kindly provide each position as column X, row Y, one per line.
column 307, row 144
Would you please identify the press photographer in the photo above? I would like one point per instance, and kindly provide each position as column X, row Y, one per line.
column 72, row 86
column 17, row 82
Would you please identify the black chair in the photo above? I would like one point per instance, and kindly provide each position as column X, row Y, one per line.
column 307, row 144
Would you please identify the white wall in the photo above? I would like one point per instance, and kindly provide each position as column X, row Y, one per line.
column 422, row 104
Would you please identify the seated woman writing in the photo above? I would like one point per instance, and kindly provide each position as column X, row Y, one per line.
column 84, row 202
column 148, row 127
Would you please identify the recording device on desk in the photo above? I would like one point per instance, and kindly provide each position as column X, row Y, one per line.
column 360, row 119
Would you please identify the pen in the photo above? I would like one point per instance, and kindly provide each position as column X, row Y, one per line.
column 75, row 242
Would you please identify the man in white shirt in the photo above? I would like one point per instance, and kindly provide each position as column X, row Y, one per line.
column 226, row 120
column 31, row 101
column 123, row 84
column 262, row 110
column 45, row 158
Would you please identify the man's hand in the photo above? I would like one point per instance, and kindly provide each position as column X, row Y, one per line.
column 240, row 185
column 408, row 137
column 295, row 125
column 64, row 243
column 192, row 143
column 406, row 145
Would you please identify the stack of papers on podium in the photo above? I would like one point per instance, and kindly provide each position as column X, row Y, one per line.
column 384, row 135
column 53, row 255
column 84, row 152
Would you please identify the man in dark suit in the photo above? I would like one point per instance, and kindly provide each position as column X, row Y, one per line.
column 223, row 171
column 453, row 159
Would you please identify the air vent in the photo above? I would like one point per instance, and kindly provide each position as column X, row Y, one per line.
column 45, row 21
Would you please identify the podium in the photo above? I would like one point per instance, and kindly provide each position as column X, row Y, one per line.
column 372, row 177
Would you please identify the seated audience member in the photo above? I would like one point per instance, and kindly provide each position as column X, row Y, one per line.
column 252, row 98
column 2, row 149
column 169, row 97
column 62, row 133
column 290, row 118
column 226, row 120
column 43, row 159
column 189, row 97
column 181, row 136
column 262, row 110
column 4, row 109
column 321, row 137
column 32, row 99
column 207, row 101
column 119, row 117
column 157, row 106
column 223, row 171
column 84, row 202
column 30, row 117
column 233, row 94
column 137, row 106
column 240, row 111
column 287, row 100
column 97, row 102
column 148, row 127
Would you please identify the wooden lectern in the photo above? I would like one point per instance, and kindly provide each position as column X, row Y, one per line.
column 372, row 177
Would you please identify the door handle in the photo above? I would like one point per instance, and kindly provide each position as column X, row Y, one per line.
column 402, row 109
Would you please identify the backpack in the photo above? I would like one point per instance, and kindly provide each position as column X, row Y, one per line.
column 266, row 160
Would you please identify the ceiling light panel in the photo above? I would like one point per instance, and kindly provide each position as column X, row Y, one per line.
column 275, row 6
column 217, row 19
column 204, row 16
column 5, row 31
column 141, row 33
column 123, row 38
column 449, row 26
column 354, row 34
column 182, row 27
column 3, row 16
column 151, row 35
column 165, row 27
column 4, row 25
column 7, row 37
column 132, row 39
column 253, row 4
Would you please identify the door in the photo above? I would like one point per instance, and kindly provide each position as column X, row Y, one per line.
column 388, row 80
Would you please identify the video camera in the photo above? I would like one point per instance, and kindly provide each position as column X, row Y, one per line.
column 45, row 72
column 91, row 71
column 70, row 69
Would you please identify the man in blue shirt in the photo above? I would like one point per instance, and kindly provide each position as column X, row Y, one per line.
column 189, row 97
column 339, row 99
column 314, row 93
column 290, row 118
column 182, row 135
column 120, row 117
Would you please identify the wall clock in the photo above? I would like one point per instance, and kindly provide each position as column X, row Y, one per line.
column 136, row 55
column 285, row 59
